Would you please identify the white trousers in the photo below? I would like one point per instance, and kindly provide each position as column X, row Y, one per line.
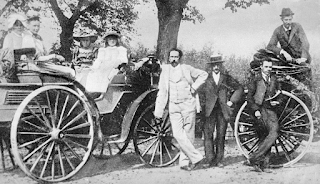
column 183, row 117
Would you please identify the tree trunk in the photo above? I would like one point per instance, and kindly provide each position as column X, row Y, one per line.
column 169, row 16
column 66, row 40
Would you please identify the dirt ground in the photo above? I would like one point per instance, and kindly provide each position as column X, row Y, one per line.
column 127, row 168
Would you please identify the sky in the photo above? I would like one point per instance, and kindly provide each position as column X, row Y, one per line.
column 240, row 33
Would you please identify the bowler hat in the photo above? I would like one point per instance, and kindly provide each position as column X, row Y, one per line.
column 215, row 59
column 113, row 33
column 286, row 12
column 92, row 37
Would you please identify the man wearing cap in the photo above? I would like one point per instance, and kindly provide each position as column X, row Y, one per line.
column 222, row 93
column 292, row 38
column 261, row 88
column 177, row 90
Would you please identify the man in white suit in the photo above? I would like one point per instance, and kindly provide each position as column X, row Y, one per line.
column 177, row 89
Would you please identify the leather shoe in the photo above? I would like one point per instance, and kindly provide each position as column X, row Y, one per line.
column 198, row 165
column 186, row 168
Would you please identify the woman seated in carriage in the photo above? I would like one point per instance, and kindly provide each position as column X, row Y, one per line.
column 107, row 64
column 23, row 33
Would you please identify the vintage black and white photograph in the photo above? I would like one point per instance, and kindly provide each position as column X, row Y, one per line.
column 160, row 91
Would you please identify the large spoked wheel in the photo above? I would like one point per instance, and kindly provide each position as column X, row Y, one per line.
column 52, row 133
column 295, row 131
column 153, row 142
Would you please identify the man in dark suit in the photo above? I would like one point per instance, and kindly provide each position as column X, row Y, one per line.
column 292, row 38
column 219, row 86
column 261, row 88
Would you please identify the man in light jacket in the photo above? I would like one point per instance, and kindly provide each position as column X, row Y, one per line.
column 177, row 89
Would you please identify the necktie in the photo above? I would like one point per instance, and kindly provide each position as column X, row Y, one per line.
column 288, row 32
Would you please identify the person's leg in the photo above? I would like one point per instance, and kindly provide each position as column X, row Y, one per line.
column 183, row 127
column 271, row 122
column 221, row 134
column 208, row 129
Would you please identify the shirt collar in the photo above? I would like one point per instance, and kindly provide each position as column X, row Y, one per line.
column 285, row 29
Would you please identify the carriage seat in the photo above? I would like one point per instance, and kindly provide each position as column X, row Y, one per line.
column 119, row 79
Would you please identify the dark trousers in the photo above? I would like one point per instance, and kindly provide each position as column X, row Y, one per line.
column 214, row 149
column 270, row 121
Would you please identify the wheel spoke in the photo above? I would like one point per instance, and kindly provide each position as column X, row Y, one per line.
column 33, row 125
column 294, row 119
column 147, row 122
column 61, row 161
column 296, row 126
column 63, row 109
column 33, row 133
column 50, row 109
column 146, row 140
column 149, row 147
column 285, row 151
column 68, row 160
column 160, row 149
column 38, row 159
column 46, row 120
column 146, row 132
column 76, row 144
column 56, row 105
column 31, row 142
column 154, row 152
column 34, row 114
column 167, row 150
column 249, row 141
column 246, row 124
column 285, row 107
column 83, row 125
column 295, row 133
column 81, row 136
column 83, row 113
column 252, row 132
column 294, row 109
column 72, row 151
column 35, row 150
column 47, row 159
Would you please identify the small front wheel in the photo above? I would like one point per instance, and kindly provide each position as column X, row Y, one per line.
column 154, row 142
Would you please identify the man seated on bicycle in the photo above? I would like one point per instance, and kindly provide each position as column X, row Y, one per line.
column 261, row 88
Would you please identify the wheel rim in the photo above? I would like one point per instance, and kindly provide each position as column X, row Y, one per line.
column 52, row 133
column 295, row 131
column 154, row 143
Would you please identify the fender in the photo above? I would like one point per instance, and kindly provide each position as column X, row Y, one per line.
column 128, row 117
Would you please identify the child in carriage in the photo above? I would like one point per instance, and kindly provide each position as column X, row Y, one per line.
column 109, row 60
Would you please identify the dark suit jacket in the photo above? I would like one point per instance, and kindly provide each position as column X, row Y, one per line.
column 259, row 91
column 219, row 93
column 296, row 44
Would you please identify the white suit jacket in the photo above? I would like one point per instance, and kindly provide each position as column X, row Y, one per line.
column 195, row 76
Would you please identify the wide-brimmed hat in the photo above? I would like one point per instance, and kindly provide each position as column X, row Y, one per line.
column 14, row 17
column 286, row 12
column 215, row 59
column 113, row 33
column 92, row 37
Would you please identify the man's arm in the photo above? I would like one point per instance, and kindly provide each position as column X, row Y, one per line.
column 304, row 42
column 272, row 45
column 200, row 77
column 250, row 96
column 162, row 96
column 238, row 90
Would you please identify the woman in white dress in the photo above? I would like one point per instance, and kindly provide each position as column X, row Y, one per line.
column 106, row 66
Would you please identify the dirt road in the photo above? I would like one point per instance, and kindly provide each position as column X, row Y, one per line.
column 128, row 169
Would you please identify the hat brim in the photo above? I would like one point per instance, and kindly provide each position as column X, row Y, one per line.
column 215, row 62
column 112, row 34
column 93, row 38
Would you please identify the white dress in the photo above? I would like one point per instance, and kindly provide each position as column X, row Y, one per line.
column 105, row 67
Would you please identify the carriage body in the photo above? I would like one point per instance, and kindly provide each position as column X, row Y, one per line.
column 55, row 125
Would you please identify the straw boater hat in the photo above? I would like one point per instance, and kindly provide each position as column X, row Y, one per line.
column 92, row 37
column 14, row 17
column 286, row 12
column 215, row 59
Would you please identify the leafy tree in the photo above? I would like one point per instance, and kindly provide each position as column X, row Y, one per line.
column 99, row 16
